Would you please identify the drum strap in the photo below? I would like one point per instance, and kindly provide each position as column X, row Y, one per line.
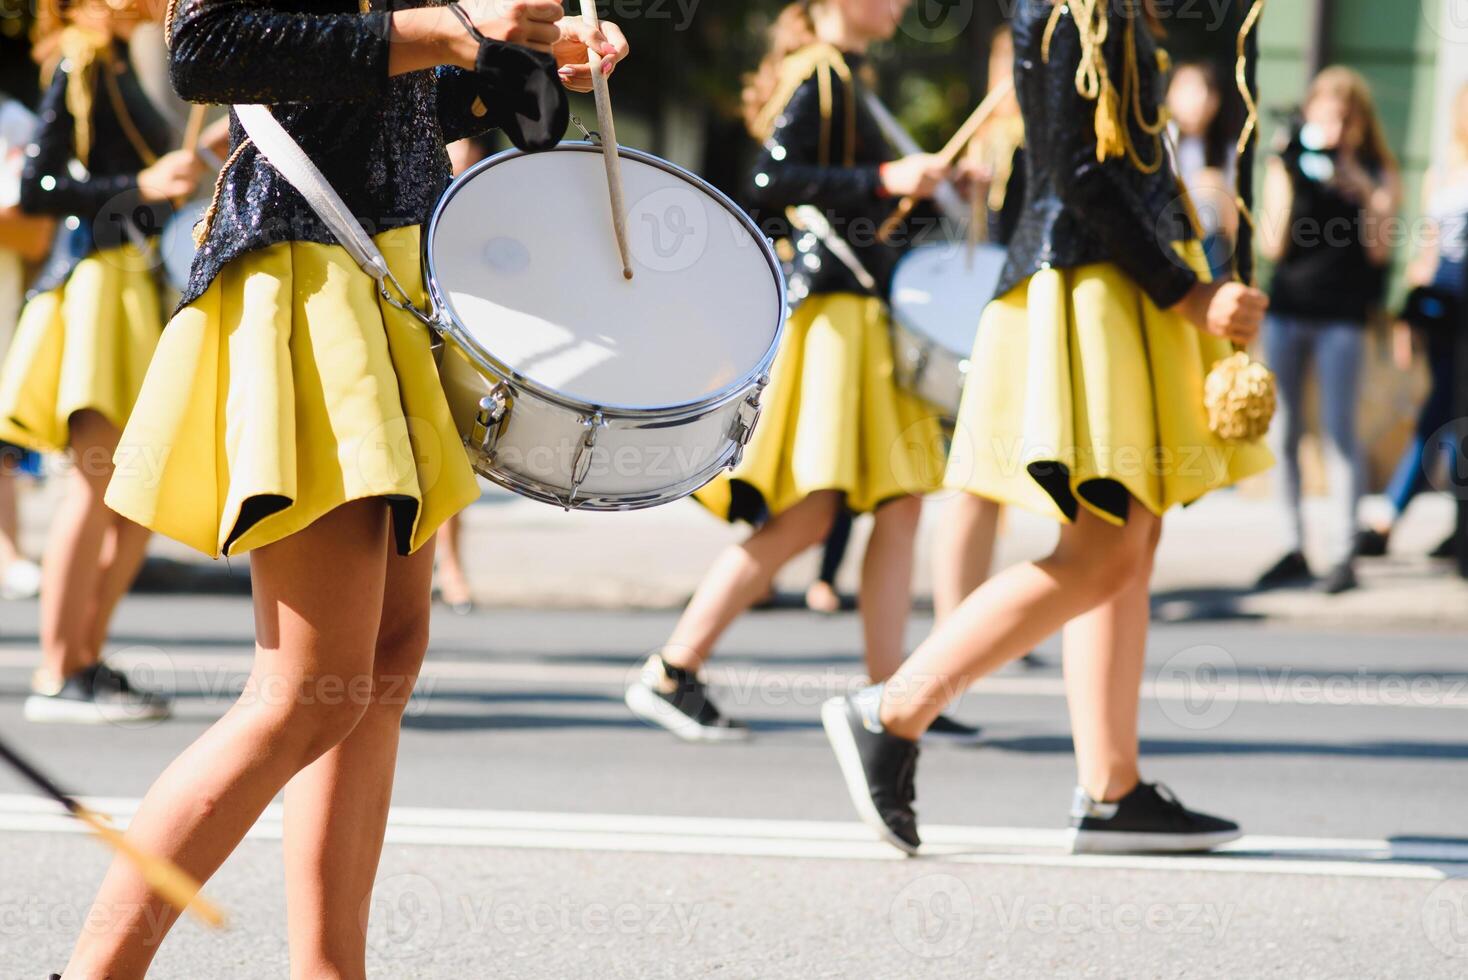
column 283, row 153
column 811, row 219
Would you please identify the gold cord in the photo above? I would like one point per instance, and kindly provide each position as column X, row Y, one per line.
column 206, row 223
column 1251, row 119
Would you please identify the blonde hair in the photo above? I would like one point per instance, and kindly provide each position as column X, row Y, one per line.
column 792, row 30
column 1351, row 87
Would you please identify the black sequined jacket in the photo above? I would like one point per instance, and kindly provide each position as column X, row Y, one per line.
column 97, row 200
column 323, row 67
column 1078, row 210
column 791, row 170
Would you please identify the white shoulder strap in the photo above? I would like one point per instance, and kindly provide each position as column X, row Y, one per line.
column 283, row 153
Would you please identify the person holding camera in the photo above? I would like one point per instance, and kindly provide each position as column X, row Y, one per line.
column 1329, row 196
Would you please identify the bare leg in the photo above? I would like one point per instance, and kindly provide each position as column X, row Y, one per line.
column 742, row 574
column 886, row 584
column 123, row 548
column 9, row 516
column 1105, row 651
column 70, row 568
column 1012, row 612
column 331, row 862
column 964, row 552
column 452, row 582
column 314, row 634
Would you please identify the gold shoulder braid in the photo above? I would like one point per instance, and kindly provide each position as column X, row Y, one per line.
column 81, row 49
column 825, row 61
column 1239, row 392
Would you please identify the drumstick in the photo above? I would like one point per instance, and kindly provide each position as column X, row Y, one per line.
column 171, row 882
column 195, row 128
column 951, row 150
column 608, row 142
column 193, row 131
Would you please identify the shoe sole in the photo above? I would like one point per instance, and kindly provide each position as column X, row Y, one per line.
column 46, row 711
column 1119, row 842
column 838, row 733
column 655, row 711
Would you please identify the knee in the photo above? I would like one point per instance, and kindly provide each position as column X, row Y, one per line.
column 309, row 717
column 1113, row 564
column 400, row 651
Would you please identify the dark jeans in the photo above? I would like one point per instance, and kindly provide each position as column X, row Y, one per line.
column 1429, row 441
column 1334, row 349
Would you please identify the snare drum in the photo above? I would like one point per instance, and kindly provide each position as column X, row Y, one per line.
column 938, row 295
column 570, row 384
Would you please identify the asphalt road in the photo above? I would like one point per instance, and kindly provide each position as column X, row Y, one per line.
column 543, row 832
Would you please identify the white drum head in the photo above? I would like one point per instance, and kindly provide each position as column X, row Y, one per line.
column 523, row 254
column 940, row 291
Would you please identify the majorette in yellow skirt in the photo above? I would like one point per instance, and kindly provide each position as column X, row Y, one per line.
column 83, row 345
column 284, row 391
column 833, row 419
column 1082, row 392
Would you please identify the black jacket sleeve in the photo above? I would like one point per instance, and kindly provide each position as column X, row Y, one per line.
column 1117, row 202
column 788, row 170
column 511, row 88
column 47, row 185
column 245, row 51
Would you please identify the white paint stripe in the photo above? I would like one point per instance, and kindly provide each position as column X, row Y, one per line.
column 820, row 839
column 811, row 688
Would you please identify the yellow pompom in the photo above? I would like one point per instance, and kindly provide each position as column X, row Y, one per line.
column 1240, row 398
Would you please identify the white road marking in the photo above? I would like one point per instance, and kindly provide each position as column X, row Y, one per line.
column 812, row 687
column 1428, row 860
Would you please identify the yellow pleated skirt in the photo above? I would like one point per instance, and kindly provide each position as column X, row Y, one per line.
column 833, row 419
column 84, row 345
column 1083, row 393
column 286, row 390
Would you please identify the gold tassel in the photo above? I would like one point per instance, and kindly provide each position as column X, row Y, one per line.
column 1110, row 138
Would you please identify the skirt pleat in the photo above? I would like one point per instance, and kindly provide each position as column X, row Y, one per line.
column 286, row 390
column 834, row 418
column 1083, row 393
column 82, row 346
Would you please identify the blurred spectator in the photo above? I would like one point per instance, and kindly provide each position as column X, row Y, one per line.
column 1206, row 159
column 1439, row 271
column 23, row 239
column 1329, row 192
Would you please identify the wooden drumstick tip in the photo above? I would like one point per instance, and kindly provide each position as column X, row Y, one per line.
column 627, row 272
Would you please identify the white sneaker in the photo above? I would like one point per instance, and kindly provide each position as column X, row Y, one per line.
column 22, row 580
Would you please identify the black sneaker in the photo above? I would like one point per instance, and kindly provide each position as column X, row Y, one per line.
column 946, row 729
column 1341, row 578
column 1292, row 569
column 1370, row 543
column 879, row 768
column 1149, row 818
column 97, row 695
column 673, row 698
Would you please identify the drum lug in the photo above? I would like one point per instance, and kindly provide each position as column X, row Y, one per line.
column 489, row 421
column 585, row 452
column 748, row 418
column 919, row 366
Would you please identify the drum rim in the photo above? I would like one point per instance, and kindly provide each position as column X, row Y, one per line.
column 462, row 338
